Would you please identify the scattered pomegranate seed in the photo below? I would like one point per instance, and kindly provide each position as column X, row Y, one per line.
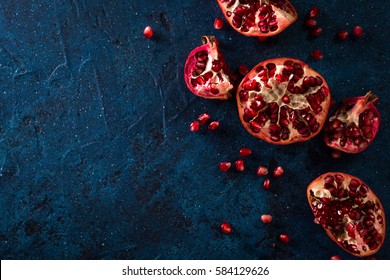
column 335, row 257
column 240, row 166
column 226, row 227
column 213, row 126
column 358, row 31
column 262, row 39
column 266, row 184
column 225, row 166
column 310, row 22
column 218, row 23
column 316, row 54
column 315, row 32
column 342, row 35
column 245, row 152
column 284, row 238
column 278, row 172
column 148, row 32
column 336, row 154
column 243, row 70
column 203, row 118
column 194, row 126
column 313, row 12
column 266, row 219
column 262, row 171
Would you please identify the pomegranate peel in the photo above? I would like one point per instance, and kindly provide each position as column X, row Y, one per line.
column 349, row 212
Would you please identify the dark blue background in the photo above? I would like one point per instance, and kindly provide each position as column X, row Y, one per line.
column 96, row 158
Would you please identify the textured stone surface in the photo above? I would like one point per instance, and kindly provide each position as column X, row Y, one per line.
column 96, row 158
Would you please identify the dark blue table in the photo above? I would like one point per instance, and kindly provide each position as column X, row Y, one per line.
column 96, row 157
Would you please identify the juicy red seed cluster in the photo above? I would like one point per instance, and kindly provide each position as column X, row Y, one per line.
column 343, row 35
column 239, row 164
column 202, row 120
column 332, row 212
column 311, row 22
column 263, row 171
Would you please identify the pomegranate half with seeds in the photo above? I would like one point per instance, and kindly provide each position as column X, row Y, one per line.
column 354, row 125
column 262, row 18
column 206, row 72
column 349, row 212
column 283, row 101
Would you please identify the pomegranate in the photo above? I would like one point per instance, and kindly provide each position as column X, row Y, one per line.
column 262, row 171
column 245, row 152
column 258, row 17
column 285, row 238
column 349, row 211
column 148, row 32
column 225, row 166
column 213, row 126
column 266, row 218
column 240, row 165
column 283, row 101
column 218, row 23
column 206, row 73
column 354, row 125
column 226, row 227
column 358, row 31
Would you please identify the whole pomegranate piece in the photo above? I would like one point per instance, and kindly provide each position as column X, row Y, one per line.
column 354, row 125
column 258, row 17
column 349, row 211
column 283, row 101
column 206, row 72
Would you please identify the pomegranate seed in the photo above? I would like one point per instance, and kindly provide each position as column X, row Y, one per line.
column 225, row 166
column 243, row 70
column 335, row 257
column 313, row 12
column 262, row 171
column 218, row 23
column 278, row 172
column 315, row 32
column 245, row 152
column 317, row 55
column 203, row 118
column 262, row 39
column 148, row 32
column 213, row 126
column 358, row 31
column 342, row 35
column 336, row 154
column 266, row 219
column 286, row 99
column 310, row 22
column 194, row 126
column 266, row 184
column 226, row 227
column 284, row 238
column 240, row 166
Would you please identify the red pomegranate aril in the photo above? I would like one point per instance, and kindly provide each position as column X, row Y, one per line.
column 336, row 257
column 194, row 126
column 213, row 126
column 266, row 184
column 226, row 228
column 148, row 32
column 225, row 166
column 278, row 172
column 203, row 118
column 245, row 152
column 243, row 70
column 317, row 55
column 262, row 171
column 313, row 12
column 240, row 165
column 285, row 238
column 310, row 22
column 342, row 35
column 315, row 32
column 358, row 31
column 262, row 39
column 218, row 23
column 336, row 154
column 266, row 218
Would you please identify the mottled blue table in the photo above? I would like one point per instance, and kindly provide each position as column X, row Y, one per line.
column 96, row 157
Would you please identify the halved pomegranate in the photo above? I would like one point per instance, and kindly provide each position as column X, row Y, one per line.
column 349, row 211
column 354, row 125
column 283, row 101
column 206, row 73
column 261, row 18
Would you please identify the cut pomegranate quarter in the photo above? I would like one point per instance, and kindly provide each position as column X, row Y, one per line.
column 258, row 17
column 349, row 212
column 206, row 73
column 354, row 125
column 283, row 101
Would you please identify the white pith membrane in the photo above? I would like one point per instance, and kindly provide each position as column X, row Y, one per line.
column 219, row 80
column 282, row 15
column 351, row 118
column 273, row 91
column 322, row 200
